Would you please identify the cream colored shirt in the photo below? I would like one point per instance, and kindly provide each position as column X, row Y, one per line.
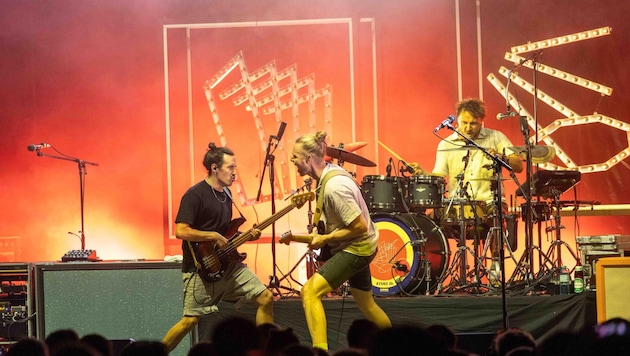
column 450, row 161
column 343, row 203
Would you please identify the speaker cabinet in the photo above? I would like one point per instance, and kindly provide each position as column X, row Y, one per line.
column 126, row 300
column 612, row 288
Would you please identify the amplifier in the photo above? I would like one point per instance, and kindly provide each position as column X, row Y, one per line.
column 589, row 260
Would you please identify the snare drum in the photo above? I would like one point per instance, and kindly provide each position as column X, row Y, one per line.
column 425, row 192
column 383, row 194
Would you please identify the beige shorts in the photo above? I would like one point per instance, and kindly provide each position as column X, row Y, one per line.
column 238, row 285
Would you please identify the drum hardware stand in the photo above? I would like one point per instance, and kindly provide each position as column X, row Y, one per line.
column 403, row 268
column 524, row 270
column 554, row 253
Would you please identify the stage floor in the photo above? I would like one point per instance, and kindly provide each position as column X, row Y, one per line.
column 474, row 318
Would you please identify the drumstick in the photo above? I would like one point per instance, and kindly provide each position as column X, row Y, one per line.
column 396, row 155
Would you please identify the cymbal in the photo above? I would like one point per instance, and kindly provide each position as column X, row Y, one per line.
column 540, row 153
column 487, row 179
column 346, row 156
column 461, row 148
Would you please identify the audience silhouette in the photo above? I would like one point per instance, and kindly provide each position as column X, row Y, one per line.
column 238, row 336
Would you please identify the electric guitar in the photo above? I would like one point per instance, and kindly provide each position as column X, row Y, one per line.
column 214, row 261
column 288, row 237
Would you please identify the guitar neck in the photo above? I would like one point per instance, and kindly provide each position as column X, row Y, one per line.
column 246, row 236
column 288, row 237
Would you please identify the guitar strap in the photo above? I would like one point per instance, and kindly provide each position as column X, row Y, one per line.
column 190, row 246
column 319, row 208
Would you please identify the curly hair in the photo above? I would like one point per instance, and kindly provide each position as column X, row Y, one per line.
column 475, row 107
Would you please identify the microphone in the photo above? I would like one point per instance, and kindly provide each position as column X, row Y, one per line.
column 447, row 122
column 388, row 170
column 505, row 115
column 407, row 168
column 400, row 267
column 37, row 147
column 283, row 125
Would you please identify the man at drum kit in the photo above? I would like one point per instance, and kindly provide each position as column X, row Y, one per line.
column 349, row 232
column 470, row 173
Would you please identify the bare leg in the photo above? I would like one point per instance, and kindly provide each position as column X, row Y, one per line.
column 175, row 335
column 312, row 293
column 369, row 308
column 264, row 313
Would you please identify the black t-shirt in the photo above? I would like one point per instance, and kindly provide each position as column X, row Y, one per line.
column 204, row 210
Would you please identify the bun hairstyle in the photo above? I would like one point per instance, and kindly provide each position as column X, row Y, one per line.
column 214, row 155
column 314, row 143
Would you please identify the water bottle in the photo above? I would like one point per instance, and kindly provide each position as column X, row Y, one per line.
column 578, row 279
column 565, row 281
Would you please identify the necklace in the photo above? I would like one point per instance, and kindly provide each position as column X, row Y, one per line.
column 215, row 195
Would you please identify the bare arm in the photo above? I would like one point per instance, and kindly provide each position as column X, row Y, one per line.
column 183, row 231
column 358, row 227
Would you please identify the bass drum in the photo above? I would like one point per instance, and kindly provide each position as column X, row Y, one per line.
column 398, row 266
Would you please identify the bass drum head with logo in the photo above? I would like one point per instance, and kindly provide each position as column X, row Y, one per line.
column 398, row 265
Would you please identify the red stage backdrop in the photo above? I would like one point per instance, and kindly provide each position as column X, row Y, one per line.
column 141, row 87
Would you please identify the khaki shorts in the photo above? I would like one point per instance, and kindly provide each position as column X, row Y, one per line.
column 238, row 285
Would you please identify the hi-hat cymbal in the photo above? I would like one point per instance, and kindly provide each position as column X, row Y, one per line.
column 344, row 156
column 540, row 153
column 487, row 179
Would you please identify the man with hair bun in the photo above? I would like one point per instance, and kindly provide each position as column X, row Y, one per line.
column 346, row 229
column 205, row 215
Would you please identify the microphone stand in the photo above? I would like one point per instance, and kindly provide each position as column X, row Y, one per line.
column 82, row 173
column 269, row 161
column 498, row 165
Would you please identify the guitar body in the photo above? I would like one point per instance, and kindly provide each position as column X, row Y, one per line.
column 214, row 265
column 214, row 261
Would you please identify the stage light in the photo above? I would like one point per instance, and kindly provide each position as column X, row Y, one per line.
column 561, row 40
column 557, row 73
column 572, row 119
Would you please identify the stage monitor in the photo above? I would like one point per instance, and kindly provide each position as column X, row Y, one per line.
column 119, row 300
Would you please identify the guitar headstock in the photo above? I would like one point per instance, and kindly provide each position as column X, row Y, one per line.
column 285, row 238
column 300, row 199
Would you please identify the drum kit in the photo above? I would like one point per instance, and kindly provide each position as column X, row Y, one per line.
column 415, row 220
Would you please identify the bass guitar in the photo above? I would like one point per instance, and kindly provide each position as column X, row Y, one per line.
column 214, row 261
